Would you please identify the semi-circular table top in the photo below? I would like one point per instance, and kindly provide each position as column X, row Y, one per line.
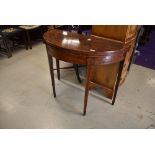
column 89, row 50
column 89, row 45
column 77, row 48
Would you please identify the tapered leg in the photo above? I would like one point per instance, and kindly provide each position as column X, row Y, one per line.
column 25, row 40
column 42, row 30
column 88, row 78
column 120, row 68
column 58, row 68
column 50, row 60
column 29, row 40
column 77, row 72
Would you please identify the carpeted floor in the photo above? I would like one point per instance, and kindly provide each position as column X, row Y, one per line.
column 146, row 57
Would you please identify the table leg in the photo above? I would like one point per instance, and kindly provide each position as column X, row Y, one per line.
column 25, row 40
column 29, row 40
column 77, row 72
column 58, row 68
column 50, row 60
column 88, row 78
column 120, row 68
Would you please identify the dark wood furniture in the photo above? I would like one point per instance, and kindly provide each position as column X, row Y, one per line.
column 92, row 51
column 10, row 35
column 27, row 29
column 4, row 47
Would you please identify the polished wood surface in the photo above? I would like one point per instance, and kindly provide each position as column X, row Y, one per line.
column 83, row 47
column 116, row 32
column 110, row 31
column 92, row 51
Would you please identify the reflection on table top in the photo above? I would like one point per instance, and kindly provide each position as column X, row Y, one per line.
column 78, row 42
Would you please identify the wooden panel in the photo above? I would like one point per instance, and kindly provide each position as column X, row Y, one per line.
column 105, row 75
column 116, row 32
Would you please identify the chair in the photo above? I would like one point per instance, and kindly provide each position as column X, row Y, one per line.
column 10, row 34
column 28, row 29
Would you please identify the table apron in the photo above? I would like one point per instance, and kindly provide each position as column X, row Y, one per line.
column 79, row 58
column 66, row 55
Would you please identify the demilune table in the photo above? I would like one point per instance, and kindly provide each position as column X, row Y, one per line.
column 87, row 50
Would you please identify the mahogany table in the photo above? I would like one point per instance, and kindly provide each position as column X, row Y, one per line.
column 87, row 50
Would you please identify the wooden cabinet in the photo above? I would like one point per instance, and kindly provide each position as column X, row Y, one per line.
column 106, row 75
